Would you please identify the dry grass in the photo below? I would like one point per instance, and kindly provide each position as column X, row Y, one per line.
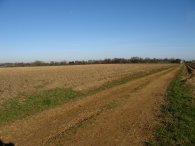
column 24, row 81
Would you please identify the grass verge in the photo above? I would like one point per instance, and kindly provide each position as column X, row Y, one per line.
column 16, row 108
column 177, row 126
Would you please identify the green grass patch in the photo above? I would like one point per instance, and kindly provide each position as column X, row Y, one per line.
column 16, row 108
column 177, row 127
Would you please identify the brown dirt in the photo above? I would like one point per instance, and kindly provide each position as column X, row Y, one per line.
column 23, row 81
column 123, row 115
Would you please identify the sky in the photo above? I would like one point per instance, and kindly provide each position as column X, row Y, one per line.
column 96, row 29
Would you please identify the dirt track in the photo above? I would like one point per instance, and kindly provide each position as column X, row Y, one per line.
column 123, row 115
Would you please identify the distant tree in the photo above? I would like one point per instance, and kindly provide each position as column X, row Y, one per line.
column 105, row 61
column 71, row 62
column 38, row 63
column 63, row 62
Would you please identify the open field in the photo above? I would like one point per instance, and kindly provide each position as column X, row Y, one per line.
column 113, row 104
column 24, row 81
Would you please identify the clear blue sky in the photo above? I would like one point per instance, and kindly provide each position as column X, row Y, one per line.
column 96, row 29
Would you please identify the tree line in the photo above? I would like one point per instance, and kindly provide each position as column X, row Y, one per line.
column 104, row 61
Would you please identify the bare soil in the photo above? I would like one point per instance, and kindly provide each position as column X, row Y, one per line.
column 122, row 115
column 23, row 81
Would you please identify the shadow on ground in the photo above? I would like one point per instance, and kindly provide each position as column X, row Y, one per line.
column 6, row 144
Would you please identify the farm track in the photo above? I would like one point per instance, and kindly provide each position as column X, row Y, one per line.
column 122, row 115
